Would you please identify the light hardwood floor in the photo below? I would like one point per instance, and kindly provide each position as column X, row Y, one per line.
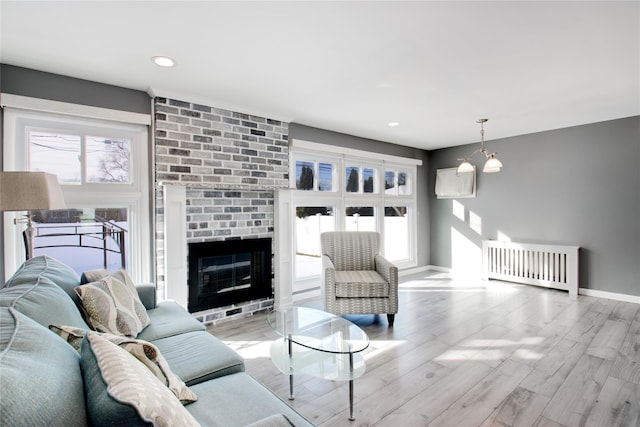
column 472, row 353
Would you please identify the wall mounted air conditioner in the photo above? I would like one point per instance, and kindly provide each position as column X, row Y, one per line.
column 453, row 185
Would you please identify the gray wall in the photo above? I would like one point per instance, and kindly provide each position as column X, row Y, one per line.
column 38, row 84
column 574, row 186
column 307, row 133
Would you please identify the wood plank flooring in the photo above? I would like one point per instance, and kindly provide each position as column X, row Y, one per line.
column 472, row 353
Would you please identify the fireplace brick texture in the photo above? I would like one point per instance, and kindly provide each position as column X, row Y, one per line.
column 230, row 162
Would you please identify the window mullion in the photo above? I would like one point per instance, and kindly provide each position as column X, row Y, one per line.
column 83, row 160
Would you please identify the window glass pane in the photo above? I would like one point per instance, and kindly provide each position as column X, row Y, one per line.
column 310, row 222
column 389, row 182
column 56, row 153
column 396, row 233
column 325, row 172
column 304, row 175
column 353, row 179
column 404, row 184
column 360, row 218
column 85, row 239
column 368, row 176
column 107, row 160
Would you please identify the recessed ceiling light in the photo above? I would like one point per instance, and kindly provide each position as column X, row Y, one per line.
column 163, row 61
column 393, row 124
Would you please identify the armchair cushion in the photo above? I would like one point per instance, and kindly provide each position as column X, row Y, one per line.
column 361, row 284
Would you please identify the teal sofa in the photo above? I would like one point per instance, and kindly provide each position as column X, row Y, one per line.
column 45, row 381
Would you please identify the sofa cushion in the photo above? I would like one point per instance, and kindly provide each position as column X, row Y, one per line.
column 43, row 301
column 277, row 420
column 361, row 284
column 168, row 319
column 214, row 358
column 232, row 395
column 113, row 306
column 122, row 391
column 144, row 351
column 40, row 378
column 44, row 266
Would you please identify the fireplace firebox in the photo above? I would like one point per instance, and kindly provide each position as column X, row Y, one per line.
column 228, row 272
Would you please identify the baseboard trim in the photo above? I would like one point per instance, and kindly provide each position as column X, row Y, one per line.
column 609, row 295
column 413, row 270
column 306, row 294
column 581, row 291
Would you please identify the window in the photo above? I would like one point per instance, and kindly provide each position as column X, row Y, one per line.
column 85, row 239
column 311, row 221
column 312, row 175
column 353, row 179
column 368, row 178
column 396, row 233
column 304, row 175
column 102, row 167
column 78, row 159
column 360, row 219
column 364, row 192
column 397, row 182
column 360, row 179
column 326, row 177
column 389, row 182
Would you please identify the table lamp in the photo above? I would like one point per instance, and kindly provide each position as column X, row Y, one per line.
column 27, row 191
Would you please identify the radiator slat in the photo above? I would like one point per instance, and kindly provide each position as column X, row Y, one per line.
column 551, row 266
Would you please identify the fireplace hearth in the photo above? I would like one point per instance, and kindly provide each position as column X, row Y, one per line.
column 223, row 273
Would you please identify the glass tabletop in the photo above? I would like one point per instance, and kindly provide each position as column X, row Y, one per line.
column 318, row 330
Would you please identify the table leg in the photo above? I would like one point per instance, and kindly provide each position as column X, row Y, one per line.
column 351, row 417
column 290, row 343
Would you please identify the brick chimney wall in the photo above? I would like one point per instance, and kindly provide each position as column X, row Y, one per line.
column 230, row 163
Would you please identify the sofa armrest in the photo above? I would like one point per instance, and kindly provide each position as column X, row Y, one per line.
column 147, row 294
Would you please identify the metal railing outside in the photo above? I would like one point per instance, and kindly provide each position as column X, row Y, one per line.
column 92, row 235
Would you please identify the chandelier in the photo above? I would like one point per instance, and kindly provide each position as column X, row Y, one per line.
column 491, row 165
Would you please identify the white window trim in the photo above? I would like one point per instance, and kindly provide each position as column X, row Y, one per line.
column 352, row 152
column 85, row 111
column 135, row 198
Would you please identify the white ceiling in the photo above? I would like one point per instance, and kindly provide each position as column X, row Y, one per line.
column 352, row 67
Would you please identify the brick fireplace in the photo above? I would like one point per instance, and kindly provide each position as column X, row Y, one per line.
column 230, row 165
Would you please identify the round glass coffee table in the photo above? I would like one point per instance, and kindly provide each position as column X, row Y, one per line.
column 319, row 344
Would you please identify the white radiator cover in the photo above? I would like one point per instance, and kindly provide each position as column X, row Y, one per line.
column 551, row 266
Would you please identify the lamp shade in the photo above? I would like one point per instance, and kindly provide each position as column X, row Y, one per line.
column 465, row 167
column 24, row 191
column 492, row 165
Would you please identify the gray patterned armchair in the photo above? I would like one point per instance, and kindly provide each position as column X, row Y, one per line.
column 356, row 279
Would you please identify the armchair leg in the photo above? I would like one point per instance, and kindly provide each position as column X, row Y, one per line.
column 391, row 318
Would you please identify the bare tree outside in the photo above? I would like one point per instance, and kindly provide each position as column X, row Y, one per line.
column 110, row 159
